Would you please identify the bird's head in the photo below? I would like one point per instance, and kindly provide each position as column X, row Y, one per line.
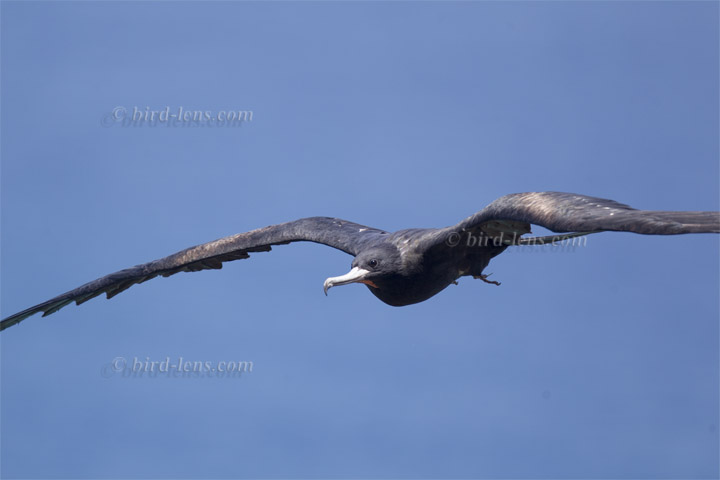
column 373, row 267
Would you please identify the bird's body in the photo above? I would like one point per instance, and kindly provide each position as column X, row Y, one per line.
column 419, row 272
column 408, row 266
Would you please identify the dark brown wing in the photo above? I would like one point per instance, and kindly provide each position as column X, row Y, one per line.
column 346, row 236
column 569, row 212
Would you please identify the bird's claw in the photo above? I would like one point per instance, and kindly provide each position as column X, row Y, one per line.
column 484, row 278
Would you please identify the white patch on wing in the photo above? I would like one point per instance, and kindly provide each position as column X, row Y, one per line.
column 539, row 203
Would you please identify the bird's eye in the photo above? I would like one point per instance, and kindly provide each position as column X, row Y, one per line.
column 372, row 263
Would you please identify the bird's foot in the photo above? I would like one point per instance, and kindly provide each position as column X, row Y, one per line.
column 484, row 278
column 455, row 282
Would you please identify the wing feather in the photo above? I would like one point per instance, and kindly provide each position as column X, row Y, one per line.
column 569, row 212
column 340, row 234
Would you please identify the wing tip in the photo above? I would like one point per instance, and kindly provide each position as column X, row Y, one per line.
column 47, row 308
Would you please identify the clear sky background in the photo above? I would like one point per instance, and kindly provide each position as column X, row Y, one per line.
column 600, row 362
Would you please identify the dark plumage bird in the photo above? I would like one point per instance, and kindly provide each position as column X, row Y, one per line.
column 408, row 266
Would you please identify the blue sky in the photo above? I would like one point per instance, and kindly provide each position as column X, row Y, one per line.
column 599, row 362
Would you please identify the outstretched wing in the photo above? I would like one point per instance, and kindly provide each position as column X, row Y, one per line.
column 569, row 212
column 346, row 236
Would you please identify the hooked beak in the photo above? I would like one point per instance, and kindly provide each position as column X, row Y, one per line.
column 355, row 275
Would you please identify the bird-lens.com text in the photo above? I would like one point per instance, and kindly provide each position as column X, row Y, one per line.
column 174, row 117
column 174, row 368
column 546, row 244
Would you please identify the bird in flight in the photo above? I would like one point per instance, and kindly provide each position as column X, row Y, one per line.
column 408, row 266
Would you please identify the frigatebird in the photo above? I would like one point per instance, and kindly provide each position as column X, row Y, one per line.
column 408, row 266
